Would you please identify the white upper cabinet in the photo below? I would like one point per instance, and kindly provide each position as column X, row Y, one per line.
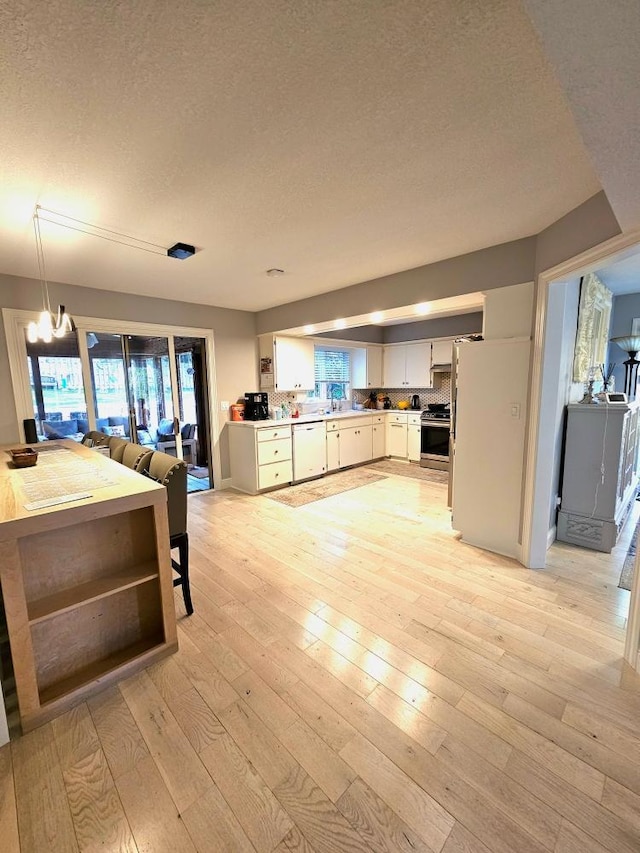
column 286, row 364
column 395, row 360
column 367, row 367
column 418, row 370
column 407, row 366
column 441, row 352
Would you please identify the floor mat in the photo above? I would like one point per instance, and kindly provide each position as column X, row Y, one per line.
column 409, row 469
column 200, row 473
column 326, row 487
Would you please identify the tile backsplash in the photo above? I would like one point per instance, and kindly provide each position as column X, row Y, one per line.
column 441, row 394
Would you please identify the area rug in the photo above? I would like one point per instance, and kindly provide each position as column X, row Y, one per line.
column 327, row 487
column 200, row 473
column 626, row 576
column 409, row 469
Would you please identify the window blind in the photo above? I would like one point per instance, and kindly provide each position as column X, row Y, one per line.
column 332, row 365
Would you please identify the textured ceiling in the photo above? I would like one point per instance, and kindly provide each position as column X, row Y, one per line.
column 623, row 277
column 340, row 141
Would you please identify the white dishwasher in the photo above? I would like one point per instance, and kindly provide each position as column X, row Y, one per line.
column 309, row 450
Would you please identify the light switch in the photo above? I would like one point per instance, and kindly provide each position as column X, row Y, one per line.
column 224, row 405
column 515, row 410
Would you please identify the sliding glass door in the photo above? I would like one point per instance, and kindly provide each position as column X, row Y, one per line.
column 152, row 393
column 57, row 388
column 193, row 407
column 150, row 389
column 109, row 383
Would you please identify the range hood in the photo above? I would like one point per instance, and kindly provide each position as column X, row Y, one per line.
column 441, row 368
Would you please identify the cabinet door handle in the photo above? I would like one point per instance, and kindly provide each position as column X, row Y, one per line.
column 275, row 452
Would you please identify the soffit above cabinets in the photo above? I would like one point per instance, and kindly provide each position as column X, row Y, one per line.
column 469, row 303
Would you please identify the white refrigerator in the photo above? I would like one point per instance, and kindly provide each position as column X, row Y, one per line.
column 488, row 442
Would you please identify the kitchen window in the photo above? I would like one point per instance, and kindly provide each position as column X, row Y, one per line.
column 332, row 373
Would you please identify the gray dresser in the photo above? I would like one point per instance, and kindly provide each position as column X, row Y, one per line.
column 600, row 473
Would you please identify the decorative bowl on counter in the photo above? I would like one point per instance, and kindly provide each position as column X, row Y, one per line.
column 24, row 457
column 403, row 404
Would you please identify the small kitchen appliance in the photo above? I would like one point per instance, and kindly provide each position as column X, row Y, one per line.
column 415, row 402
column 256, row 406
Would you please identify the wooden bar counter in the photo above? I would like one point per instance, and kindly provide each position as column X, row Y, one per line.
column 87, row 584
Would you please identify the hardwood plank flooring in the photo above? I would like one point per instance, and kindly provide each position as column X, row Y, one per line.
column 354, row 678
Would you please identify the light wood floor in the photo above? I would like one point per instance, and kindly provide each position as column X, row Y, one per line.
column 354, row 678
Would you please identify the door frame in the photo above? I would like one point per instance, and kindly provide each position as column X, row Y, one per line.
column 534, row 542
column 16, row 321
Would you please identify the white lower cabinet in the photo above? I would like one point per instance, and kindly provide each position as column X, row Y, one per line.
column 260, row 458
column 350, row 441
column 414, row 429
column 397, row 435
column 379, row 437
column 355, row 445
column 333, row 450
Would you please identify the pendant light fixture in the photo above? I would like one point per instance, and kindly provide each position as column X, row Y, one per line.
column 49, row 325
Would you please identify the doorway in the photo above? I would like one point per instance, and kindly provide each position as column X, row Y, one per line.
column 153, row 389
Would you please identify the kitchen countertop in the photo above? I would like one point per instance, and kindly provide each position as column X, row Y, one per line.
column 350, row 413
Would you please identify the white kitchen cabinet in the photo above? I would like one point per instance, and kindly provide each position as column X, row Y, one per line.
column 441, row 352
column 407, row 366
column 394, row 367
column 260, row 458
column 418, row 365
column 286, row 364
column 414, row 429
column 333, row 450
column 379, row 437
column 367, row 367
column 397, row 435
column 355, row 445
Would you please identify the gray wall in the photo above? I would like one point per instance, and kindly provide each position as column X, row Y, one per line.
column 234, row 338
column 439, row 327
column 587, row 225
column 625, row 309
column 498, row 266
column 366, row 334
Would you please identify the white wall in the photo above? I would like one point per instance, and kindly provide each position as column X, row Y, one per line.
column 557, row 390
column 508, row 312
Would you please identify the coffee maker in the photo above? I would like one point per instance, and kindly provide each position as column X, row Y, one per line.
column 256, row 406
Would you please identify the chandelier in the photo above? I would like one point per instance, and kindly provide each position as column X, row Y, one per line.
column 49, row 325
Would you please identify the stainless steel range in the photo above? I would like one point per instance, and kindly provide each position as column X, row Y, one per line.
column 434, row 440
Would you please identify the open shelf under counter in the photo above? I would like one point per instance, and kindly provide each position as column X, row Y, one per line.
column 87, row 585
column 93, row 590
column 137, row 654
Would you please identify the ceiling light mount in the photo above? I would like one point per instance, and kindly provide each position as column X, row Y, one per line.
column 181, row 251
column 274, row 271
